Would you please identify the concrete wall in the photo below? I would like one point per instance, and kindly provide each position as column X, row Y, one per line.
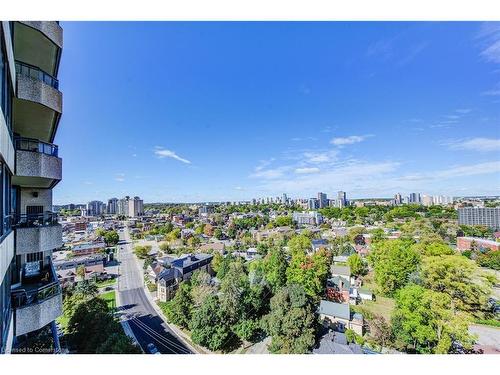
column 48, row 28
column 36, row 91
column 27, row 199
column 36, row 164
column 6, row 254
column 36, row 316
column 32, row 240
column 10, row 52
column 6, row 146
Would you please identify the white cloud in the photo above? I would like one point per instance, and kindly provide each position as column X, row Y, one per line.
column 320, row 157
column 463, row 111
column 341, row 141
column 120, row 177
column 268, row 174
column 164, row 153
column 476, row 144
column 306, row 170
column 239, row 188
column 494, row 92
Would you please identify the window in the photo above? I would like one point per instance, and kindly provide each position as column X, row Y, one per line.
column 6, row 92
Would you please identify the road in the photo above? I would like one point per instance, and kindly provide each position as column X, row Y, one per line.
column 135, row 308
column 488, row 338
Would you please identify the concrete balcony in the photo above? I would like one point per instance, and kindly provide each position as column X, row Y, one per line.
column 38, row 300
column 39, row 43
column 37, row 164
column 37, row 233
column 38, row 104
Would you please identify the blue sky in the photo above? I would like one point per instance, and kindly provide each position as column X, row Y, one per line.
column 180, row 111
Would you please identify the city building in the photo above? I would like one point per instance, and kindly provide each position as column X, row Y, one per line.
column 95, row 208
column 206, row 210
column 112, row 207
column 398, row 199
column 341, row 199
column 31, row 108
column 322, row 200
column 312, row 204
column 488, row 216
column 480, row 244
column 414, row 198
column 427, row 200
column 284, row 199
column 307, row 218
column 130, row 207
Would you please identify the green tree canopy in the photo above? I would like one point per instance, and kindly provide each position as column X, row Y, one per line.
column 356, row 265
column 424, row 321
column 393, row 262
column 290, row 322
column 459, row 278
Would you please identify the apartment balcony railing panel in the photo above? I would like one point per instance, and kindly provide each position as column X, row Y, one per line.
column 37, row 164
column 36, row 85
column 37, row 301
column 36, row 233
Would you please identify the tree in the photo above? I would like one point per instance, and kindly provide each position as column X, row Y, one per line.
column 356, row 265
column 118, row 343
column 275, row 268
column 290, row 322
column 179, row 309
column 92, row 328
column 208, row 230
column 299, row 244
column 246, row 329
column 490, row 260
column 165, row 247
column 380, row 330
column 218, row 233
column 209, row 326
column 309, row 271
column 393, row 263
column 111, row 238
column 433, row 249
column 217, row 261
column 80, row 272
column 233, row 288
column 142, row 252
column 355, row 232
column 423, row 321
column 87, row 289
column 459, row 278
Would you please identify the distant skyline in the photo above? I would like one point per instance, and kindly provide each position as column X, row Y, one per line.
column 213, row 111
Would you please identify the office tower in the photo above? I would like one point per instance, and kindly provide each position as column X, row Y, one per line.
column 136, row 207
column 284, row 199
column 480, row 216
column 398, row 199
column 112, row 206
column 31, row 108
column 414, row 198
column 95, row 208
column 427, row 200
column 312, row 204
column 130, row 207
column 322, row 200
column 341, row 199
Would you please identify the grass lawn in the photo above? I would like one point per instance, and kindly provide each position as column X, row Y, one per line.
column 109, row 297
column 383, row 306
column 102, row 284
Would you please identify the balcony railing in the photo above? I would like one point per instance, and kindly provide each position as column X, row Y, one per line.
column 34, row 145
column 37, row 289
column 34, row 220
column 28, row 70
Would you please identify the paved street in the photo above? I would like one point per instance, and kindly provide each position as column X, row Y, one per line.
column 488, row 338
column 147, row 326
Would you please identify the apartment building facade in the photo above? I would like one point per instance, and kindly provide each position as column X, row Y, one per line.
column 30, row 168
column 488, row 216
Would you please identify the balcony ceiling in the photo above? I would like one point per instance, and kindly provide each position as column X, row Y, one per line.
column 33, row 120
column 33, row 47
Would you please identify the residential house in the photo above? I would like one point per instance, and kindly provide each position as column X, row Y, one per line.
column 339, row 317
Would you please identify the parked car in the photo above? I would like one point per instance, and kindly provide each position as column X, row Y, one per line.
column 152, row 349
